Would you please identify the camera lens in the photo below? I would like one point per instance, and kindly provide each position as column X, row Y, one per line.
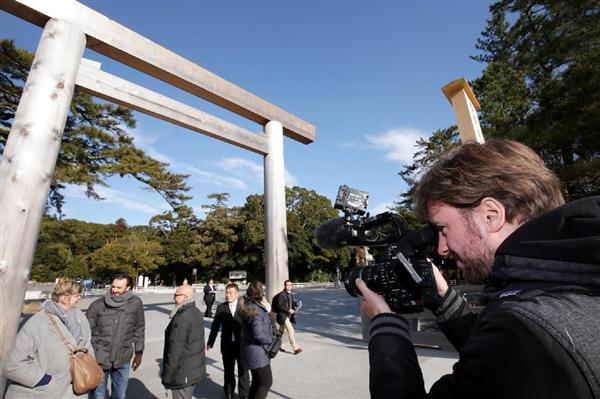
column 366, row 274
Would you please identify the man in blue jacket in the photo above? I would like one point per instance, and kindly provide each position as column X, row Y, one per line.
column 499, row 213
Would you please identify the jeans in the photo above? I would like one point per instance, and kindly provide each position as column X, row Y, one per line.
column 119, row 380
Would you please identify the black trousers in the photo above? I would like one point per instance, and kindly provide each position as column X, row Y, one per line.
column 209, row 303
column 262, row 379
column 230, row 356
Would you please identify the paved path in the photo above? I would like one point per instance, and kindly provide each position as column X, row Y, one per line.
column 334, row 363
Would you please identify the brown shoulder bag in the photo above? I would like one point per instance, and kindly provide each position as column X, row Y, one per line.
column 85, row 372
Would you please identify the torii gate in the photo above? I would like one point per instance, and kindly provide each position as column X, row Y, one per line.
column 33, row 144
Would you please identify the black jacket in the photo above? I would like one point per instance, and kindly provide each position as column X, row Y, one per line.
column 281, row 305
column 116, row 332
column 184, row 362
column 537, row 337
column 209, row 293
column 230, row 326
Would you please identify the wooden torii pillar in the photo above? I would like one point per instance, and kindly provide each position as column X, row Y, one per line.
column 465, row 105
column 32, row 148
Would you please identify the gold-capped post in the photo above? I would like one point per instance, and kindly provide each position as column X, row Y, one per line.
column 465, row 105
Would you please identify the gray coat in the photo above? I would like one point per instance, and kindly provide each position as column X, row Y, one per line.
column 116, row 331
column 39, row 350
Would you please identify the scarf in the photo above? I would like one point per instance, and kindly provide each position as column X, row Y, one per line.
column 68, row 318
column 117, row 301
column 177, row 307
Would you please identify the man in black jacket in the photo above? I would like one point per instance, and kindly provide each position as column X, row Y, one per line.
column 184, row 360
column 209, row 297
column 284, row 306
column 118, row 326
column 228, row 320
column 498, row 212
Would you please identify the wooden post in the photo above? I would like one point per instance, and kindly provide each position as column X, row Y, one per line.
column 28, row 164
column 465, row 106
column 276, row 249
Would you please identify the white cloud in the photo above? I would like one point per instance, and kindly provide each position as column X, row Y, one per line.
column 146, row 143
column 126, row 200
column 253, row 171
column 398, row 143
column 384, row 207
column 348, row 144
column 214, row 178
column 290, row 180
column 243, row 168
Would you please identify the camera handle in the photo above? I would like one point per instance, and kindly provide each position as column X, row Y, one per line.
column 409, row 268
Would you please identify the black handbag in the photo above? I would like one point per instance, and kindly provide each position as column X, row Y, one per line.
column 273, row 348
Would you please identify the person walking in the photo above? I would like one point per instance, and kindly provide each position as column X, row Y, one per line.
column 184, row 359
column 256, row 332
column 285, row 307
column 38, row 364
column 209, row 297
column 118, row 327
column 229, row 321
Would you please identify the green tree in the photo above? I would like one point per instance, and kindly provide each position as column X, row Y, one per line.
column 133, row 253
column 213, row 247
column 250, row 247
column 541, row 84
column 177, row 231
column 95, row 143
column 306, row 209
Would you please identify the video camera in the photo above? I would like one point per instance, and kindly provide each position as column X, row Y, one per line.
column 404, row 276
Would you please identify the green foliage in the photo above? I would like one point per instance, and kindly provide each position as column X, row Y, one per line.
column 95, row 143
column 541, row 85
column 132, row 253
column 305, row 211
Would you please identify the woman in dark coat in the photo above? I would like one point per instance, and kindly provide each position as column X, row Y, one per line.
column 256, row 332
column 184, row 357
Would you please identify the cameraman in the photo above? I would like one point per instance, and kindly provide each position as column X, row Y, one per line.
column 500, row 214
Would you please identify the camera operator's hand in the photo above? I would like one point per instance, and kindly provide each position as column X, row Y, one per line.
column 373, row 303
column 440, row 281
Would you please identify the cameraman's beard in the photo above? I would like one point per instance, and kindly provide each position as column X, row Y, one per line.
column 478, row 258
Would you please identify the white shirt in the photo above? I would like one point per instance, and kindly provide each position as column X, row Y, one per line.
column 232, row 308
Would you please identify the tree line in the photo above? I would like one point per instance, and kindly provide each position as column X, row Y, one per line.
column 177, row 242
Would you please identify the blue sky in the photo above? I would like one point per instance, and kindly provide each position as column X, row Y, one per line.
column 367, row 74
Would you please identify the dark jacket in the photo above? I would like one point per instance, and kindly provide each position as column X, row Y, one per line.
column 536, row 338
column 230, row 326
column 281, row 305
column 116, row 332
column 184, row 362
column 209, row 293
column 257, row 331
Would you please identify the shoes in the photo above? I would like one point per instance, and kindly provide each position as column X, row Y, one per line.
column 296, row 351
column 281, row 350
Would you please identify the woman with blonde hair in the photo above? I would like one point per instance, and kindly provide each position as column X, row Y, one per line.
column 38, row 365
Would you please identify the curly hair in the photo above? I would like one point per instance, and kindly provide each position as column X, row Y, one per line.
column 502, row 169
column 65, row 286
